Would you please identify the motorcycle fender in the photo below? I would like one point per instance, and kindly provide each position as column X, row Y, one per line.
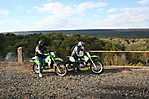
column 94, row 56
column 58, row 59
column 35, row 60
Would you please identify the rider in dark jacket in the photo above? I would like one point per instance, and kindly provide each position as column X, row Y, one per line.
column 40, row 50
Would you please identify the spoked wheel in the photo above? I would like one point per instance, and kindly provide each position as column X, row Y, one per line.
column 98, row 68
column 35, row 68
column 60, row 70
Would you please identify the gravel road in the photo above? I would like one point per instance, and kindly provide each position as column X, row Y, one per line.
column 114, row 83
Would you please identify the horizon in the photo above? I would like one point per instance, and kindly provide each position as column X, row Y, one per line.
column 37, row 15
column 77, row 30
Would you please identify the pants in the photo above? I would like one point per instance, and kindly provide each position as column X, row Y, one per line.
column 78, row 61
column 41, row 59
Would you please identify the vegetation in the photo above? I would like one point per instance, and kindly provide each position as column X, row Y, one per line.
column 102, row 33
column 62, row 43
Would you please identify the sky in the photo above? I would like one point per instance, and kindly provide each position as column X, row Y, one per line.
column 31, row 15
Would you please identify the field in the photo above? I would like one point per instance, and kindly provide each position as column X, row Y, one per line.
column 18, row 81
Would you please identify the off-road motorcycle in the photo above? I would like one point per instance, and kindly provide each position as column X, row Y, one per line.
column 50, row 62
column 87, row 60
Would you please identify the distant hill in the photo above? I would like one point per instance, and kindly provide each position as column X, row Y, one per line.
column 126, row 33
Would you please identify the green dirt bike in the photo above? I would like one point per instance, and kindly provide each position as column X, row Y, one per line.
column 50, row 62
column 87, row 61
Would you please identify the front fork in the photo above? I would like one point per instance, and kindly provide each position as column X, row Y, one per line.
column 56, row 66
column 93, row 63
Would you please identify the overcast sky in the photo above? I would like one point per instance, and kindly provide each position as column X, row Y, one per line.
column 22, row 15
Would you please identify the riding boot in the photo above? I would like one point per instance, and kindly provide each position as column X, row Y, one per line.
column 40, row 74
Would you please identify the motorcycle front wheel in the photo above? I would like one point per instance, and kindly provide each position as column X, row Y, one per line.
column 98, row 68
column 60, row 69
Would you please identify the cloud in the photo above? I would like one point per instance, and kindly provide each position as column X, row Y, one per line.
column 126, row 17
column 58, row 8
column 91, row 5
column 57, row 22
column 50, row 22
column 143, row 2
column 4, row 12
column 61, row 15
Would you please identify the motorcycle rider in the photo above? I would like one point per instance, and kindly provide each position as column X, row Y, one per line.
column 78, row 53
column 40, row 50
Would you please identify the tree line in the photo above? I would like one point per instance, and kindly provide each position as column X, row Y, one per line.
column 63, row 43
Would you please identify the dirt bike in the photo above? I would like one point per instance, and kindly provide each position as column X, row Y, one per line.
column 50, row 62
column 87, row 61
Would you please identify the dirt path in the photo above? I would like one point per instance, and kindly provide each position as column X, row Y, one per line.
column 113, row 83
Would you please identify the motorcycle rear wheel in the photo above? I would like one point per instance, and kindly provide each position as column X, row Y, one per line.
column 60, row 69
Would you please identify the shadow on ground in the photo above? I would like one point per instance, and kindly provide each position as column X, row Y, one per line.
column 88, row 72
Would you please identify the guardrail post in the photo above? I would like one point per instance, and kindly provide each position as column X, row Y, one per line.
column 123, row 57
column 20, row 55
column 146, row 55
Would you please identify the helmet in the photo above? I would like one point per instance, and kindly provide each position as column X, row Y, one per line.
column 41, row 42
column 80, row 43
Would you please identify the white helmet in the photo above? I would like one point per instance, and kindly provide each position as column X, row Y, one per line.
column 41, row 43
column 80, row 43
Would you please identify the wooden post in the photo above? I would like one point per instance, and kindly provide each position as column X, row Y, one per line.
column 116, row 59
column 20, row 55
column 123, row 57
